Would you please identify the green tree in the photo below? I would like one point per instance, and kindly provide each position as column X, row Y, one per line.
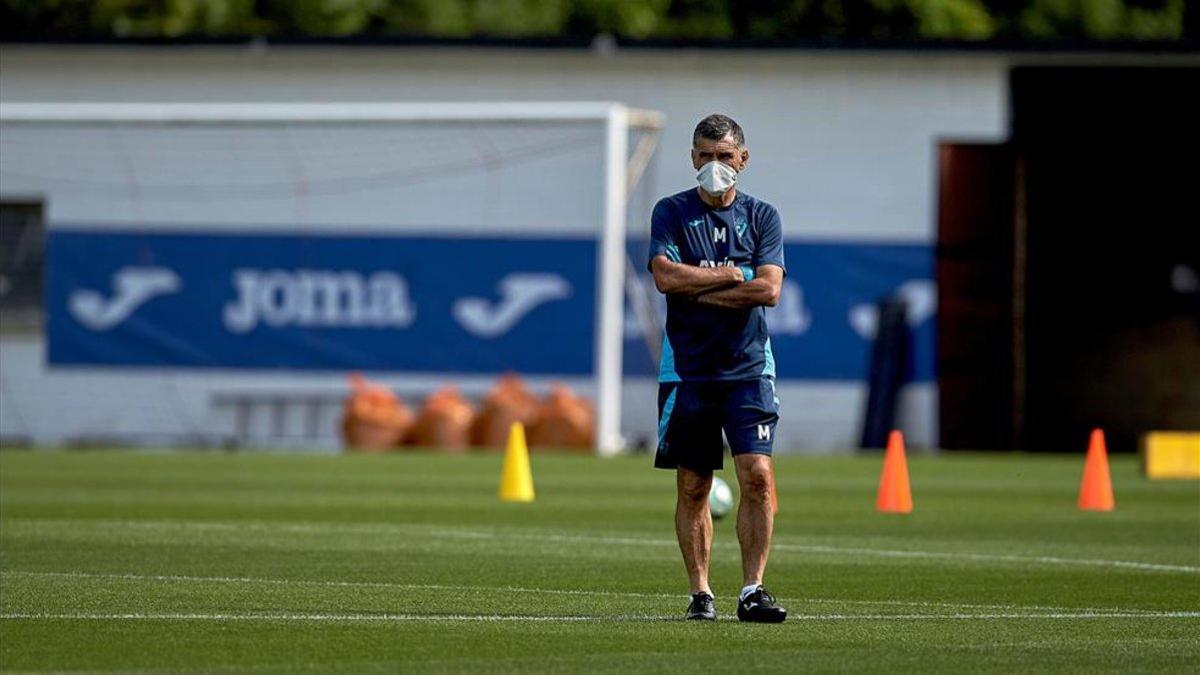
column 1037, row 20
column 1103, row 19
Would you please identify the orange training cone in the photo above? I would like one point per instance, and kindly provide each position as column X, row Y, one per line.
column 1096, row 494
column 516, row 479
column 894, row 493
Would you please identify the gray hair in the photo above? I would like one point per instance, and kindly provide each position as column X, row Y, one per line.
column 715, row 127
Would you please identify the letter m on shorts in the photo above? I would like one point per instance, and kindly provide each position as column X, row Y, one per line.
column 764, row 432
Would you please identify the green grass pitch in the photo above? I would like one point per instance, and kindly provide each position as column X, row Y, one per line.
column 209, row 562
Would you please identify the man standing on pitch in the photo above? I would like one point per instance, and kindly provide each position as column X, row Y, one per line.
column 717, row 254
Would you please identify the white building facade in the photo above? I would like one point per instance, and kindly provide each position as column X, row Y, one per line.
column 844, row 144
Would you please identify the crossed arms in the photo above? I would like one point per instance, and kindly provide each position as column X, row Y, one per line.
column 721, row 286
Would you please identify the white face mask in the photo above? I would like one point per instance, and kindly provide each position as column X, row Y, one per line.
column 716, row 178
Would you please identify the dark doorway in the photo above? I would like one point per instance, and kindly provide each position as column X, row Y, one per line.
column 975, row 296
column 1069, row 264
column 1112, row 323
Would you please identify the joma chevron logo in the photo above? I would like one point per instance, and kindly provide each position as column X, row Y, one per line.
column 919, row 294
column 132, row 288
column 520, row 294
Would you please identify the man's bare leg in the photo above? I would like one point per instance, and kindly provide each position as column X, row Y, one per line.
column 693, row 525
column 756, row 515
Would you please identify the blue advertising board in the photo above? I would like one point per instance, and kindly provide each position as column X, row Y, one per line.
column 824, row 325
column 431, row 304
column 480, row 305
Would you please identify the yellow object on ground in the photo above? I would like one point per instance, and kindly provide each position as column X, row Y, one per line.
column 516, row 478
column 1171, row 454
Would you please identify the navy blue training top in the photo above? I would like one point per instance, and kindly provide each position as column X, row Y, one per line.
column 705, row 342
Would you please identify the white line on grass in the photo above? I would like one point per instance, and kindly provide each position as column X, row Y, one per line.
column 994, row 616
column 452, row 532
column 341, row 584
column 14, row 616
column 876, row 552
column 327, row 617
column 994, row 557
column 547, row 591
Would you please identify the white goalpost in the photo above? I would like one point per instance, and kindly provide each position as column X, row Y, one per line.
column 318, row 167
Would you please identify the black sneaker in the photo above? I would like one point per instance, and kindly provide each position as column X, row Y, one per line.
column 760, row 607
column 701, row 608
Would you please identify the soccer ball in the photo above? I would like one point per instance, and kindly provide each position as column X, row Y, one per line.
column 720, row 499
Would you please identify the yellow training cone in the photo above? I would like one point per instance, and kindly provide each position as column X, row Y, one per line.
column 516, row 480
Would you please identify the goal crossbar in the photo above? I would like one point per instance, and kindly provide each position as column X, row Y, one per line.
column 323, row 113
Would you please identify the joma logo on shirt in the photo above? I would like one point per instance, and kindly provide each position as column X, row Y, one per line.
column 724, row 263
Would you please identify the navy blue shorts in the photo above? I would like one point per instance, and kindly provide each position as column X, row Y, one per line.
column 692, row 415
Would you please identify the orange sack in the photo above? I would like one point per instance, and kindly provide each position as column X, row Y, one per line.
column 509, row 401
column 374, row 419
column 444, row 422
column 564, row 420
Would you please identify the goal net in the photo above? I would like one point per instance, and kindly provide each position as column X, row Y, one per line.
column 201, row 252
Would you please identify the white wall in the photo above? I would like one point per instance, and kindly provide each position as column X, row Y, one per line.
column 843, row 144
